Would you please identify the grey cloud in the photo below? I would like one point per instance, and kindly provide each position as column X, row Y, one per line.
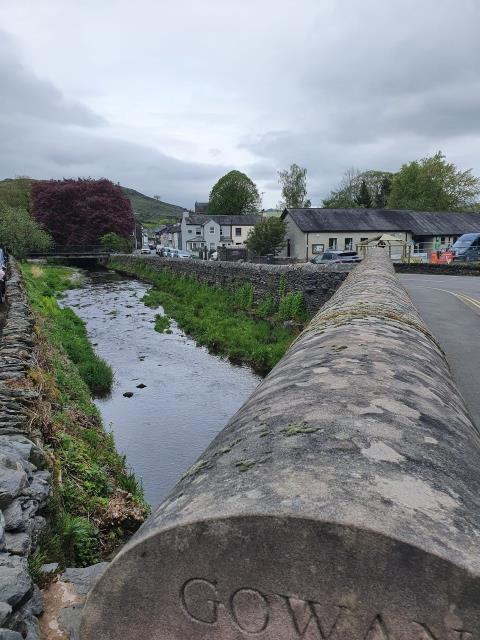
column 23, row 94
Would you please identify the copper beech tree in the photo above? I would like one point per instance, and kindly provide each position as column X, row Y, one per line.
column 81, row 212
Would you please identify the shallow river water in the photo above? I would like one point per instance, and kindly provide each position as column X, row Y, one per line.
column 189, row 394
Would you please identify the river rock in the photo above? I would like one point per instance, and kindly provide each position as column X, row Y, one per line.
column 128, row 394
column 15, row 581
column 84, row 579
column 13, row 479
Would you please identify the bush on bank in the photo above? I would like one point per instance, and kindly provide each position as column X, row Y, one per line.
column 227, row 321
column 96, row 500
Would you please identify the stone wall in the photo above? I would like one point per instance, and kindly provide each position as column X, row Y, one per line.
column 24, row 478
column 452, row 269
column 317, row 282
column 341, row 501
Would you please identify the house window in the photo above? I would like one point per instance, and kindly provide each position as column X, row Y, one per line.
column 212, row 245
column 363, row 239
column 318, row 248
column 212, row 229
column 442, row 240
column 348, row 244
column 332, row 244
column 190, row 231
column 198, row 233
column 238, row 231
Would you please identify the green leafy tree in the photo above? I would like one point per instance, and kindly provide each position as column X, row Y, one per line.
column 347, row 194
column 116, row 244
column 364, row 199
column 234, row 194
column 268, row 236
column 20, row 233
column 381, row 197
column 294, row 187
column 433, row 184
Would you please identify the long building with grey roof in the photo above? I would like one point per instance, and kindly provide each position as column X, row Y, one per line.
column 312, row 231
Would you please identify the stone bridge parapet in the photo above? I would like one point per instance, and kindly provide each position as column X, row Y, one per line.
column 341, row 502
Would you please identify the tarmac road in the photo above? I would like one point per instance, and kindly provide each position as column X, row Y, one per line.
column 450, row 306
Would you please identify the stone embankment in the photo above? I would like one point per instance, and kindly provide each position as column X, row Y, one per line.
column 316, row 282
column 452, row 269
column 342, row 501
column 24, row 478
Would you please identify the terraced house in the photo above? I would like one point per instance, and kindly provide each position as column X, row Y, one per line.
column 312, row 231
column 212, row 231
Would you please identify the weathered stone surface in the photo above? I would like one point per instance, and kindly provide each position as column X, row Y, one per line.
column 341, row 502
column 15, row 582
column 5, row 611
column 7, row 634
column 317, row 282
column 13, row 514
column 18, row 543
column 13, row 479
column 85, row 578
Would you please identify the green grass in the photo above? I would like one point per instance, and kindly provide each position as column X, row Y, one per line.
column 89, row 475
column 227, row 321
column 162, row 324
column 150, row 211
column 44, row 284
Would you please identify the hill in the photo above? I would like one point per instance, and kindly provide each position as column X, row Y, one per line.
column 151, row 211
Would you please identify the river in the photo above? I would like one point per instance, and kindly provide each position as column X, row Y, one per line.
column 189, row 394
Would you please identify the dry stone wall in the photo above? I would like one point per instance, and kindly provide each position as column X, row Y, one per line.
column 24, row 475
column 342, row 501
column 316, row 282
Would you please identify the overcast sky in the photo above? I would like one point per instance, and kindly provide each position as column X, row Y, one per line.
column 166, row 97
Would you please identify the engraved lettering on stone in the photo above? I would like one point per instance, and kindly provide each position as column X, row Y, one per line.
column 305, row 618
column 377, row 630
column 250, row 610
column 199, row 600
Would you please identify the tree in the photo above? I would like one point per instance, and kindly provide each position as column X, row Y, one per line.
column 234, row 194
column 294, row 187
column 20, row 233
column 268, row 236
column 433, row 184
column 364, row 198
column 347, row 194
column 381, row 197
column 114, row 243
column 79, row 212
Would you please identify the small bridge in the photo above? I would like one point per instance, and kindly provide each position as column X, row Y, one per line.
column 77, row 252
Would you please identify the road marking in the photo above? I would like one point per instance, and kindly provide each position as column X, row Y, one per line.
column 473, row 302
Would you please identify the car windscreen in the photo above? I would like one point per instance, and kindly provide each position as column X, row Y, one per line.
column 465, row 241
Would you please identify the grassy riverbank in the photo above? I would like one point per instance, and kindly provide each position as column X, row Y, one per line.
column 227, row 321
column 96, row 500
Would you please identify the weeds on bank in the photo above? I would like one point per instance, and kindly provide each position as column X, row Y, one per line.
column 229, row 322
column 66, row 329
column 96, row 500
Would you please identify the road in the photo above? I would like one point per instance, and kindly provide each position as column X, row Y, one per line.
column 450, row 306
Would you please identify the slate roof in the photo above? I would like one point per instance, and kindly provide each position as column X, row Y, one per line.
column 417, row 222
column 247, row 219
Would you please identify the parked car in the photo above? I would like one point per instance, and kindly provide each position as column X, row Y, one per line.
column 145, row 250
column 467, row 248
column 336, row 256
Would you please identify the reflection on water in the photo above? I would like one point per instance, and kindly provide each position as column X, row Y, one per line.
column 189, row 394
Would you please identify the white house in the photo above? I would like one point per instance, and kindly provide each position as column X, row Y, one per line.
column 312, row 231
column 212, row 231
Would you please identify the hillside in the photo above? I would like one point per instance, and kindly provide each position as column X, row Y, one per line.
column 151, row 211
